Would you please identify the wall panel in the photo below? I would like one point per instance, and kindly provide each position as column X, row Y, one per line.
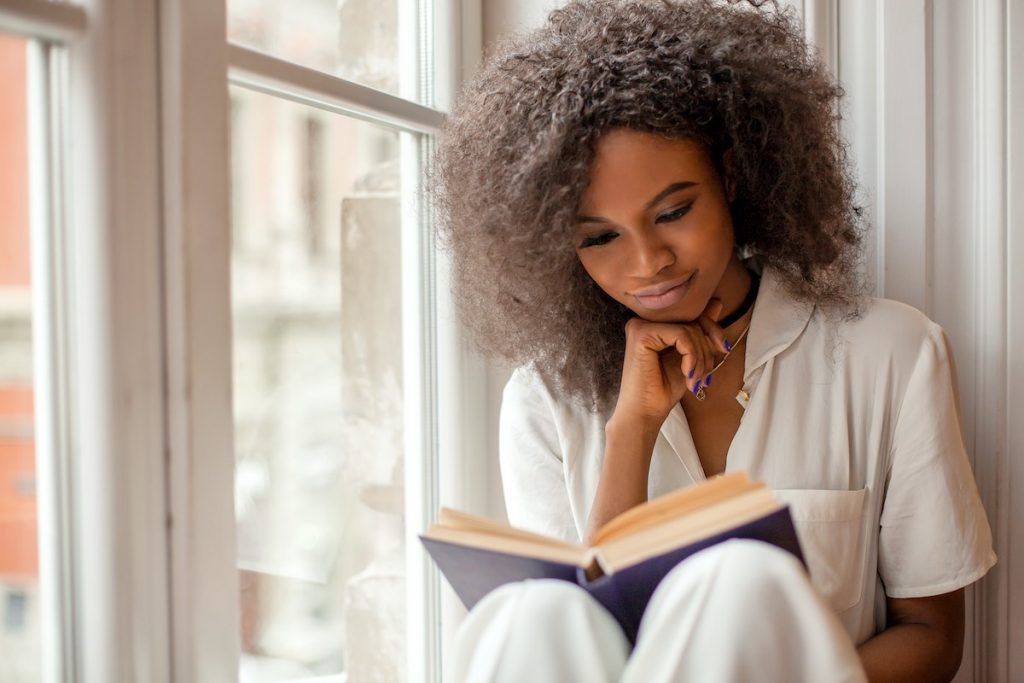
column 927, row 113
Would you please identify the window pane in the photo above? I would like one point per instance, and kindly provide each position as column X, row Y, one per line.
column 353, row 39
column 316, row 291
column 19, row 560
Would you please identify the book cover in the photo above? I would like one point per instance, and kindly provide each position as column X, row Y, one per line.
column 474, row 572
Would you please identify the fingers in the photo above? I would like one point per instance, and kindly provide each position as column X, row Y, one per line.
column 714, row 309
column 715, row 333
column 698, row 346
column 697, row 358
column 690, row 362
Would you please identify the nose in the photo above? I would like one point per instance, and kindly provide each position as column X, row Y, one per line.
column 651, row 254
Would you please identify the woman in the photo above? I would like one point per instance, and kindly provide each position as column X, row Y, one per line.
column 651, row 213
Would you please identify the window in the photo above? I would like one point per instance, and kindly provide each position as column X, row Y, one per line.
column 316, row 295
column 36, row 629
column 335, row 359
column 355, row 40
column 234, row 398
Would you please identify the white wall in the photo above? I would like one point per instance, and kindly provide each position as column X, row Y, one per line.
column 501, row 17
column 929, row 114
column 935, row 97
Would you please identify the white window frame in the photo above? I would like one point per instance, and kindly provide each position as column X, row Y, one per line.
column 97, row 302
column 145, row 577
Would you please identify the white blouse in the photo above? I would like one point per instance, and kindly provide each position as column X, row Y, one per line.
column 853, row 423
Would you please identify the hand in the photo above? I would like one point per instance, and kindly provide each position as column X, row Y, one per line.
column 664, row 360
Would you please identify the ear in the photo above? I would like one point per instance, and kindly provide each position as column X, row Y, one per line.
column 729, row 171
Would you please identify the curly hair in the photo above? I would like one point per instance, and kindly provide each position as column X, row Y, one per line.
column 513, row 161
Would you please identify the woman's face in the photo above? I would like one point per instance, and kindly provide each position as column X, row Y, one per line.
column 654, row 229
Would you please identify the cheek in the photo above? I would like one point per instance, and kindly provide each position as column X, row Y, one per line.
column 601, row 271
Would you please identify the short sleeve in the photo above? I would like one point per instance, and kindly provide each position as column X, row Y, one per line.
column 532, row 475
column 934, row 536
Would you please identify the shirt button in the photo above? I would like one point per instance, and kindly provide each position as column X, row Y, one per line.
column 743, row 398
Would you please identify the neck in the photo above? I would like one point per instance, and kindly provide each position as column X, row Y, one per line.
column 736, row 284
column 745, row 307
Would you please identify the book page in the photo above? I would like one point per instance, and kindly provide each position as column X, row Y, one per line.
column 565, row 554
column 675, row 504
column 681, row 531
column 456, row 519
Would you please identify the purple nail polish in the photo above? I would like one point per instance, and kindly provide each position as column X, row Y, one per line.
column 690, row 376
column 728, row 346
column 696, row 387
column 707, row 381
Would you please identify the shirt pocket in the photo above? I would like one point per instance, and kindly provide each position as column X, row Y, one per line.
column 830, row 527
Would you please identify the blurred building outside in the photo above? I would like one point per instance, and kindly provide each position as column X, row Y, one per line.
column 19, row 562
column 316, row 282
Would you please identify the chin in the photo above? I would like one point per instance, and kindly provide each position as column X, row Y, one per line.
column 676, row 314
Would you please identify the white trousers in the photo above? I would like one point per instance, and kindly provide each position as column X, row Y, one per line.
column 738, row 611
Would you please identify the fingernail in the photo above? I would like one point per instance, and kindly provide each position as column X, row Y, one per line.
column 707, row 381
column 696, row 387
column 728, row 346
column 690, row 376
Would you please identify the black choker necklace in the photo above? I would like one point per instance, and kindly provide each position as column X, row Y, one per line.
column 748, row 301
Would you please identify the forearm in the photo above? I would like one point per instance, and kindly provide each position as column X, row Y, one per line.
column 624, row 473
column 910, row 652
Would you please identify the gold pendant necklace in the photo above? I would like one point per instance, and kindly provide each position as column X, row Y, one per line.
column 701, row 395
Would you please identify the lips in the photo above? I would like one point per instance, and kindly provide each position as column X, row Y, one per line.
column 664, row 294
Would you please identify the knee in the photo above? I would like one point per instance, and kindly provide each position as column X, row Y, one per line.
column 742, row 566
column 540, row 601
column 749, row 558
column 539, row 630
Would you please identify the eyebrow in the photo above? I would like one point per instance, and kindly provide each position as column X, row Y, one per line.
column 674, row 187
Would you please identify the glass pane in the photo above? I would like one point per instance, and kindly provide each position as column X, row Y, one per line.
column 20, row 657
column 353, row 39
column 316, row 287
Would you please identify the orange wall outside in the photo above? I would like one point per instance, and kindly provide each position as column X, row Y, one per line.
column 18, row 545
column 14, row 263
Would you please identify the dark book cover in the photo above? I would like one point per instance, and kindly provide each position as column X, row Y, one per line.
column 474, row 572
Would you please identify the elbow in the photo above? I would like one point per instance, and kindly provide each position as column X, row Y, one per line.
column 954, row 656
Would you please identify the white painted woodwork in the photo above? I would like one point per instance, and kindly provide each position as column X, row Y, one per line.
column 927, row 120
column 821, row 27
column 988, row 355
column 197, row 331
column 55, row 21
column 1010, row 631
column 51, row 372
column 121, row 559
column 280, row 78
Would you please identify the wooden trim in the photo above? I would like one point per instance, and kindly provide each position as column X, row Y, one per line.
column 197, row 321
column 1013, row 552
column 277, row 77
column 52, row 21
column 905, row 173
column 52, row 338
column 121, row 560
column 821, row 27
column 990, row 324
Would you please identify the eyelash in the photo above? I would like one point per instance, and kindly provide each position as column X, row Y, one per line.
column 606, row 237
column 673, row 215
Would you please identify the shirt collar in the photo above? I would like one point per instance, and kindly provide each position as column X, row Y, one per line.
column 777, row 321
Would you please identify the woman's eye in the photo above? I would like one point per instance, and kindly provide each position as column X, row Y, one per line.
column 673, row 215
column 597, row 240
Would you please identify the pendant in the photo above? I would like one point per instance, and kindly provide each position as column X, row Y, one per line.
column 700, row 394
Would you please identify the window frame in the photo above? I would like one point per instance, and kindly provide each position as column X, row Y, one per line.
column 145, row 576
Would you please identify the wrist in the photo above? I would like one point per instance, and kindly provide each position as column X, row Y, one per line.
column 632, row 433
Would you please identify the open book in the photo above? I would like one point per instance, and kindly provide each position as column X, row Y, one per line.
column 629, row 555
